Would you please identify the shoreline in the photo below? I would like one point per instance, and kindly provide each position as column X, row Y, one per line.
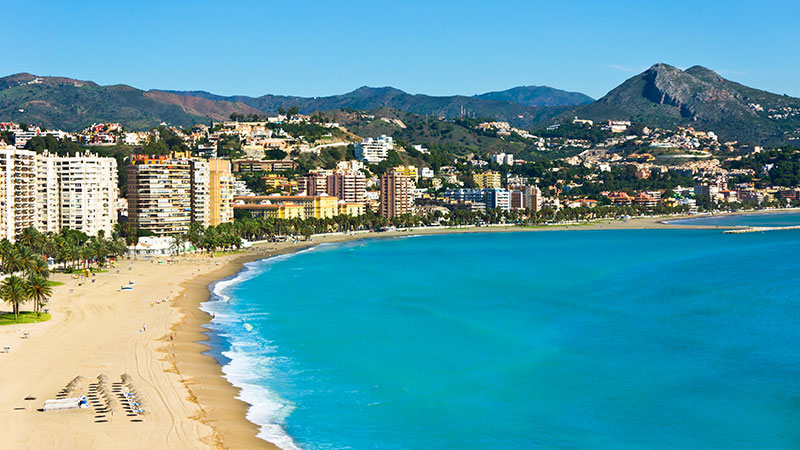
column 191, row 404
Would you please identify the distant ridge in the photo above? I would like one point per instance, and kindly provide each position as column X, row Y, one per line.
column 538, row 96
column 367, row 98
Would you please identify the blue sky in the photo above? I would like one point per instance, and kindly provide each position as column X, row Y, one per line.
column 314, row 48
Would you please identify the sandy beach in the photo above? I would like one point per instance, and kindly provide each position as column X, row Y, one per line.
column 99, row 329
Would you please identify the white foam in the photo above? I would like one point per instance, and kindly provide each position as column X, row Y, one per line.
column 249, row 358
column 267, row 409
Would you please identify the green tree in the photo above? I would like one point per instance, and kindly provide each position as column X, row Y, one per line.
column 38, row 290
column 13, row 290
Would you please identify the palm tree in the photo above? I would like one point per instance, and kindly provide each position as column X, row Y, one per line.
column 12, row 261
column 39, row 267
column 14, row 290
column 38, row 290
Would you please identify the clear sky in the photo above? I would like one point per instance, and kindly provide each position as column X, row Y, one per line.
column 466, row 47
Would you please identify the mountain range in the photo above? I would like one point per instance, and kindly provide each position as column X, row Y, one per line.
column 58, row 102
column 662, row 95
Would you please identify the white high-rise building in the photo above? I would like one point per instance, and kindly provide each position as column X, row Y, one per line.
column 51, row 192
column 201, row 192
column 18, row 202
column 374, row 150
column 88, row 193
column 48, row 200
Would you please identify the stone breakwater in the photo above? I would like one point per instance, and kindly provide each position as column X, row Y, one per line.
column 760, row 229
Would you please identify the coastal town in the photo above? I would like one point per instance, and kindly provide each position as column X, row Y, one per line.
column 170, row 190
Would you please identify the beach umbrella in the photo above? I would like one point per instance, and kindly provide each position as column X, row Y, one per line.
column 30, row 398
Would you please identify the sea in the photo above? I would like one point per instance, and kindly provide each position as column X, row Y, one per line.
column 574, row 339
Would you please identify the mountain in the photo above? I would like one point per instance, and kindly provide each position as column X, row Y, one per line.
column 66, row 103
column 666, row 96
column 538, row 96
column 368, row 98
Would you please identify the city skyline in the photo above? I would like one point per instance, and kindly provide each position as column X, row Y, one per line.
column 255, row 48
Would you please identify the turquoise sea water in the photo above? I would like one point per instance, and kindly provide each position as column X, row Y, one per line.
column 633, row 339
column 781, row 219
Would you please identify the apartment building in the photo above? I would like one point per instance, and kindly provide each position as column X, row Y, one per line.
column 349, row 186
column 48, row 198
column 254, row 165
column 51, row 192
column 18, row 205
column 87, row 193
column 220, row 191
column 395, row 195
column 200, row 190
column 167, row 193
column 487, row 180
column 160, row 194
column 489, row 198
column 374, row 150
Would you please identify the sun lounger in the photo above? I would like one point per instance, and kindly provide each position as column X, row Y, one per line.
column 62, row 404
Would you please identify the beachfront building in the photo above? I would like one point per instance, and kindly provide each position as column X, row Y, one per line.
column 353, row 209
column 86, row 192
column 318, row 207
column 48, row 200
column 374, row 150
column 160, row 194
column 167, row 193
column 220, row 191
column 18, row 203
column 395, row 195
column 200, row 191
column 489, row 198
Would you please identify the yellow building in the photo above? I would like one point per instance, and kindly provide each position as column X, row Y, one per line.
column 351, row 209
column 283, row 211
column 319, row 207
column 273, row 181
column 487, row 180
column 220, row 191
column 407, row 171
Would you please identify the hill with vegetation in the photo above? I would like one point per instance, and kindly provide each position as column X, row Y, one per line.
column 454, row 136
column 69, row 104
column 538, row 96
column 666, row 96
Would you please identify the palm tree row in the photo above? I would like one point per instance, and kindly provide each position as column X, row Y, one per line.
column 71, row 248
column 18, row 290
column 26, row 262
